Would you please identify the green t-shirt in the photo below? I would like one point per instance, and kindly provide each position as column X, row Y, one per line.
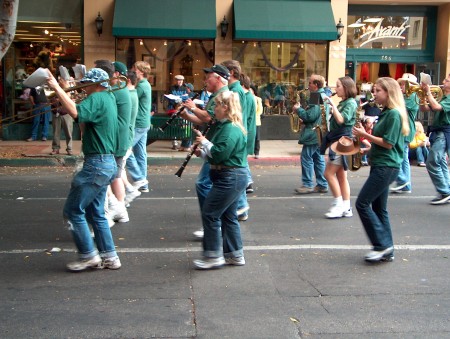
column 229, row 145
column 134, row 109
column 237, row 88
column 123, row 102
column 412, row 107
column 210, row 107
column 388, row 127
column 250, row 123
column 442, row 118
column 347, row 108
column 144, row 92
column 99, row 114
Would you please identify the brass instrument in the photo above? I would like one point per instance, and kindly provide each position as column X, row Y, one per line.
column 122, row 84
column 322, row 129
column 75, row 95
column 294, row 119
column 354, row 161
column 435, row 90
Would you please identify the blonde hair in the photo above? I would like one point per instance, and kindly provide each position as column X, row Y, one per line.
column 144, row 67
column 395, row 100
column 234, row 111
column 419, row 127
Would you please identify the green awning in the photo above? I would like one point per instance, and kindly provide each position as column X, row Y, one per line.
column 284, row 20
column 177, row 19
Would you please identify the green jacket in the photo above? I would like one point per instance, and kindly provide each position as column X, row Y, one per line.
column 311, row 118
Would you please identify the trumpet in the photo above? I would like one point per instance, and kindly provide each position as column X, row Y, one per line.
column 435, row 90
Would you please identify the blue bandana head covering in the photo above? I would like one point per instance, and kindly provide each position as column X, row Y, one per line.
column 96, row 75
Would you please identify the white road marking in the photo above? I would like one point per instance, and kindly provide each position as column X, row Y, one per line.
column 249, row 248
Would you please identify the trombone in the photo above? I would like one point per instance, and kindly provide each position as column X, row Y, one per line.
column 79, row 97
column 122, row 84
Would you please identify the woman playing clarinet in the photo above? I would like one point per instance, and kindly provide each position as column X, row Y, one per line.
column 227, row 156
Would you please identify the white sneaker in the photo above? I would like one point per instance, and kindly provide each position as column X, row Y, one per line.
column 131, row 195
column 242, row 210
column 84, row 264
column 336, row 211
column 384, row 255
column 199, row 234
column 236, row 261
column 108, row 217
column 138, row 184
column 209, row 263
column 119, row 212
column 112, row 263
column 348, row 213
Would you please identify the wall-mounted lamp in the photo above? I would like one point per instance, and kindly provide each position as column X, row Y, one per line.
column 99, row 24
column 224, row 27
column 340, row 29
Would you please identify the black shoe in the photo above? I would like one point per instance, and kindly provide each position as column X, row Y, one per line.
column 249, row 189
column 440, row 199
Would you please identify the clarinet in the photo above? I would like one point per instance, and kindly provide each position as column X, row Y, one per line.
column 176, row 114
column 194, row 148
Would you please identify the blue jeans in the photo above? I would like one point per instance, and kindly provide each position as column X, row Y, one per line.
column 242, row 202
column 219, row 214
column 85, row 204
column 420, row 154
column 404, row 173
column 437, row 164
column 312, row 163
column 137, row 161
column 375, row 218
column 203, row 184
column 38, row 114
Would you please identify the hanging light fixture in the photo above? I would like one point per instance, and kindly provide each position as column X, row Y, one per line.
column 340, row 29
column 99, row 24
column 224, row 27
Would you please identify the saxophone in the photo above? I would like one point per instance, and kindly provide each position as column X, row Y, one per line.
column 321, row 129
column 296, row 123
column 354, row 161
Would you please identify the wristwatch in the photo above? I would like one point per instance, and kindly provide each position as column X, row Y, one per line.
column 192, row 109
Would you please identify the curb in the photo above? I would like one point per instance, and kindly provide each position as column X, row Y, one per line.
column 70, row 161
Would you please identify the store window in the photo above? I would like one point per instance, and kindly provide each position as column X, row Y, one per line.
column 47, row 35
column 280, row 69
column 387, row 32
column 167, row 59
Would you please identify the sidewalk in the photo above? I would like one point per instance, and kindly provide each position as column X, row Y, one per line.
column 37, row 153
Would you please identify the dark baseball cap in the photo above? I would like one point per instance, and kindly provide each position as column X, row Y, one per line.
column 220, row 70
column 120, row 67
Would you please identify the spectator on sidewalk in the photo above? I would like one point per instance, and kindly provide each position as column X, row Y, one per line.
column 41, row 113
column 62, row 120
column 418, row 147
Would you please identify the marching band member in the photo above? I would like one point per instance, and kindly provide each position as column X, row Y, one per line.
column 226, row 153
column 387, row 138
column 343, row 117
column 440, row 142
column 86, row 199
column 312, row 162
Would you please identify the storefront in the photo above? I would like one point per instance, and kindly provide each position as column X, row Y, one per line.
column 170, row 37
column 48, row 35
column 391, row 41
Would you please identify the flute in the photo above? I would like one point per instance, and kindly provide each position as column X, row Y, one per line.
column 177, row 113
column 194, row 148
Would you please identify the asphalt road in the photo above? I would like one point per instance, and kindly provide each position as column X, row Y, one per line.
column 305, row 276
